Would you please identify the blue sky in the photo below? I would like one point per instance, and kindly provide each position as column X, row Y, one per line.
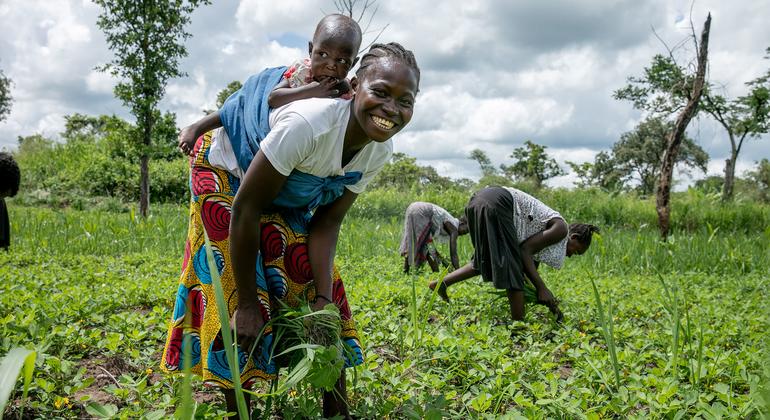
column 494, row 73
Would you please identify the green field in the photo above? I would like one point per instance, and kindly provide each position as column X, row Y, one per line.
column 682, row 333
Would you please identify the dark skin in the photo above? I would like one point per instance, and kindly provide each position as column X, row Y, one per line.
column 378, row 111
column 330, row 61
column 556, row 229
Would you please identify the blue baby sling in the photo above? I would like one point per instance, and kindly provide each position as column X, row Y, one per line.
column 245, row 118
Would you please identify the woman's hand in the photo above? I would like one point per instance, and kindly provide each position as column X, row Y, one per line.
column 545, row 297
column 247, row 322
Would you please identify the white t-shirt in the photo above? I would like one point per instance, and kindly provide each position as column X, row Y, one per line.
column 308, row 135
column 530, row 216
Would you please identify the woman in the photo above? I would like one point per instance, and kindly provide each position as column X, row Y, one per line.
column 286, row 216
column 422, row 222
column 512, row 232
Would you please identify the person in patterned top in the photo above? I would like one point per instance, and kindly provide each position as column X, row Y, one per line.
column 512, row 233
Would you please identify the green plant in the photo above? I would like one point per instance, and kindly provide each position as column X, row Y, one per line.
column 17, row 361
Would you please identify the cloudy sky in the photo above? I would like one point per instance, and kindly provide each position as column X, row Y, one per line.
column 494, row 73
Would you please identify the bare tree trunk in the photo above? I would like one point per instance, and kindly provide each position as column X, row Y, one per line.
column 727, row 188
column 663, row 198
column 144, row 171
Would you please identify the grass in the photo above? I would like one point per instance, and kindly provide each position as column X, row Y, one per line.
column 91, row 292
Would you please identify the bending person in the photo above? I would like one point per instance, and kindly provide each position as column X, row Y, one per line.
column 422, row 223
column 278, row 245
column 512, row 232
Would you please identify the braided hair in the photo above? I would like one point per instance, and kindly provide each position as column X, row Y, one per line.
column 9, row 174
column 392, row 50
column 583, row 232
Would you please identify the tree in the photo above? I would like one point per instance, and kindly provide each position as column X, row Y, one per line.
column 639, row 153
column 674, row 139
column 147, row 39
column 403, row 172
column 5, row 96
column 744, row 117
column 760, row 178
column 487, row 168
column 223, row 94
column 349, row 8
column 532, row 163
column 665, row 90
column 602, row 173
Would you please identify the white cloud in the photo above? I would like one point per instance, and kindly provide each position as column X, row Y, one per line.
column 494, row 73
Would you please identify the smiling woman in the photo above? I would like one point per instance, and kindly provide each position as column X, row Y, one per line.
column 284, row 218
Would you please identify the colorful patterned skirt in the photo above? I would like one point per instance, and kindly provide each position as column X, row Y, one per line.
column 283, row 274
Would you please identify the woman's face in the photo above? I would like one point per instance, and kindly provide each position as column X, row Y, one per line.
column 384, row 99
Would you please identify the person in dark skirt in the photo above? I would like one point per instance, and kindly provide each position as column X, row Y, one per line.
column 512, row 233
column 9, row 186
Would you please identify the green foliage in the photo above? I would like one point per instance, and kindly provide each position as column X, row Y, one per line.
column 602, row 173
column 147, row 39
column 532, row 163
column 487, row 168
column 83, row 307
column 404, row 172
column 17, row 361
column 5, row 96
column 225, row 93
column 99, row 159
column 662, row 90
column 760, row 180
column 639, row 153
column 691, row 211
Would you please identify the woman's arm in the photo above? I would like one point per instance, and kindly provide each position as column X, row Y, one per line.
column 453, row 234
column 259, row 187
column 556, row 229
column 322, row 244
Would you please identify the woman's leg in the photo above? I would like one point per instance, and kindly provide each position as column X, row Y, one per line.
column 433, row 263
column 335, row 402
column 232, row 403
column 461, row 274
column 516, row 301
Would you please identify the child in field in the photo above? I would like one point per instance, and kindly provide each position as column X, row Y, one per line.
column 9, row 186
column 333, row 52
column 512, row 233
column 422, row 223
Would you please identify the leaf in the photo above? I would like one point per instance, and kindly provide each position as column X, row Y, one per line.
column 9, row 371
column 101, row 411
column 326, row 369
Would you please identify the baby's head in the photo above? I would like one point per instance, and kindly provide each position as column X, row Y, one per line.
column 334, row 47
column 580, row 235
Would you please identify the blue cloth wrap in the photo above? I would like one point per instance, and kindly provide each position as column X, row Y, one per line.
column 245, row 114
column 245, row 118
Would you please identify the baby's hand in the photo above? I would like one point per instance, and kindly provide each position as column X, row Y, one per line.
column 343, row 87
column 187, row 139
column 326, row 88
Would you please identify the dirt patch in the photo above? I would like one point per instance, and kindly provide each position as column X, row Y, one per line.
column 386, row 353
column 105, row 371
column 564, row 371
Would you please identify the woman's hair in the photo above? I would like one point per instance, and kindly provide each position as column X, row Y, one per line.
column 583, row 232
column 392, row 50
column 9, row 174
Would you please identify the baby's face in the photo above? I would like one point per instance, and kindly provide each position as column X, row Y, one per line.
column 332, row 57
